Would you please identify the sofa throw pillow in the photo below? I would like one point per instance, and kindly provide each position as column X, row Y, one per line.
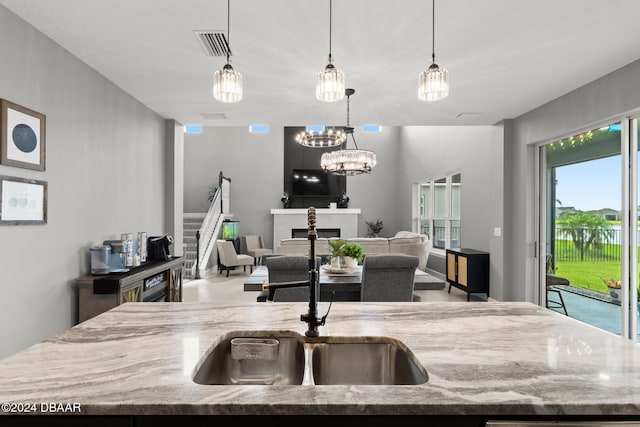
column 404, row 240
column 406, row 234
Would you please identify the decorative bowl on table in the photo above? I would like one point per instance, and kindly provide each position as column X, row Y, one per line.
column 336, row 270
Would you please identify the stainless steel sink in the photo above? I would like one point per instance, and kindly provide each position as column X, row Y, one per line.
column 289, row 358
column 365, row 360
column 254, row 357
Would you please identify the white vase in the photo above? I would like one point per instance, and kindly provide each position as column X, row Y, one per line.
column 350, row 262
column 335, row 261
column 343, row 262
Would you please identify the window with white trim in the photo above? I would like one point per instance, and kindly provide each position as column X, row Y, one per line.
column 438, row 216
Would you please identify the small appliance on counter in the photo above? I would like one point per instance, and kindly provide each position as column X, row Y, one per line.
column 118, row 258
column 158, row 247
column 100, row 257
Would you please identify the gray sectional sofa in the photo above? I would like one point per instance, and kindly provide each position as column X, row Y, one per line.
column 404, row 242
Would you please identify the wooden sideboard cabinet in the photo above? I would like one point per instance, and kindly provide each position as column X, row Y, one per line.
column 468, row 269
column 153, row 281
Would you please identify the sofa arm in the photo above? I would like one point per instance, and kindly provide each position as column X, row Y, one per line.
column 411, row 244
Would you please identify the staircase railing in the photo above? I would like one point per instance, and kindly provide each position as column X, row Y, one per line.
column 212, row 225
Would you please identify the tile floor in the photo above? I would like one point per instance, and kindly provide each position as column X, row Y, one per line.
column 219, row 288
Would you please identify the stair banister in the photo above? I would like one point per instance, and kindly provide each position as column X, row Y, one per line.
column 212, row 224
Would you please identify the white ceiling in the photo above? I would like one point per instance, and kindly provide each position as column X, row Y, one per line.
column 505, row 57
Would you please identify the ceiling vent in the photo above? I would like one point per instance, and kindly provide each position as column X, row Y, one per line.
column 214, row 116
column 468, row 115
column 214, row 42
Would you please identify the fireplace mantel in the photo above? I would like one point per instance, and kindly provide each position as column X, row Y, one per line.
column 319, row 211
column 284, row 220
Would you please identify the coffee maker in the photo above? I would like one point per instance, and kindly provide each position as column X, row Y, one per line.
column 158, row 247
column 118, row 257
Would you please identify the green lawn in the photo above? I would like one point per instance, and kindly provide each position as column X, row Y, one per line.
column 587, row 274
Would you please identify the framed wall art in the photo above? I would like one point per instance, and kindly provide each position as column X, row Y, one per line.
column 22, row 143
column 22, row 201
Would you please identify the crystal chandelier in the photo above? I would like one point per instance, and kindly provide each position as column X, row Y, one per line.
column 433, row 84
column 348, row 161
column 322, row 139
column 330, row 81
column 227, row 83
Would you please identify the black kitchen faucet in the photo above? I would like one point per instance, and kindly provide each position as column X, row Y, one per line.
column 311, row 317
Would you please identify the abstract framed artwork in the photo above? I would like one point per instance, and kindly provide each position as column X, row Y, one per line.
column 22, row 201
column 22, row 143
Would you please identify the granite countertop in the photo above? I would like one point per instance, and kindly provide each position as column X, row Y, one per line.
column 488, row 358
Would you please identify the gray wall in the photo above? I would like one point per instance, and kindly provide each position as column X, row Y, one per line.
column 105, row 170
column 254, row 163
column 474, row 151
column 597, row 103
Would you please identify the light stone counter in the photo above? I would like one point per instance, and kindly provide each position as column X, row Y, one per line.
column 483, row 359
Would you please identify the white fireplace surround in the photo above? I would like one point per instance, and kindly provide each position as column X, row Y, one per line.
column 285, row 220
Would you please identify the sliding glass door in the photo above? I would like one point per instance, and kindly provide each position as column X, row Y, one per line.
column 632, row 302
column 586, row 227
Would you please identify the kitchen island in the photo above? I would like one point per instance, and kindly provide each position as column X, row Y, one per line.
column 485, row 360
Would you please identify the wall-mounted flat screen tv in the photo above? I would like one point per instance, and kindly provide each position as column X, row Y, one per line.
column 315, row 182
column 230, row 230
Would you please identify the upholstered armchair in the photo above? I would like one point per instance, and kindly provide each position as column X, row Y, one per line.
column 388, row 277
column 254, row 246
column 229, row 258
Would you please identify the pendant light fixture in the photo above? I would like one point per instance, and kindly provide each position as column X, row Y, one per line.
column 330, row 137
column 227, row 83
column 348, row 161
column 330, row 81
column 433, row 83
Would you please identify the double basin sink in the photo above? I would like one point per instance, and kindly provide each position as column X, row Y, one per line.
column 289, row 358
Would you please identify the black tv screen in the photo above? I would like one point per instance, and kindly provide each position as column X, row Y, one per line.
column 314, row 182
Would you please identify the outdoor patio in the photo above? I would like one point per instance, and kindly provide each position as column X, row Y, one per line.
column 590, row 307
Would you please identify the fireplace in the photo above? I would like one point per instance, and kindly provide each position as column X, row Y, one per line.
column 320, row 232
column 289, row 223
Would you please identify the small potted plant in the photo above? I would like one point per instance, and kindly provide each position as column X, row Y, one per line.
column 345, row 255
column 212, row 193
column 336, row 247
column 353, row 253
column 615, row 288
column 374, row 228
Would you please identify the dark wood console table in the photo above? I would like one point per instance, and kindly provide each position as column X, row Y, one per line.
column 152, row 281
